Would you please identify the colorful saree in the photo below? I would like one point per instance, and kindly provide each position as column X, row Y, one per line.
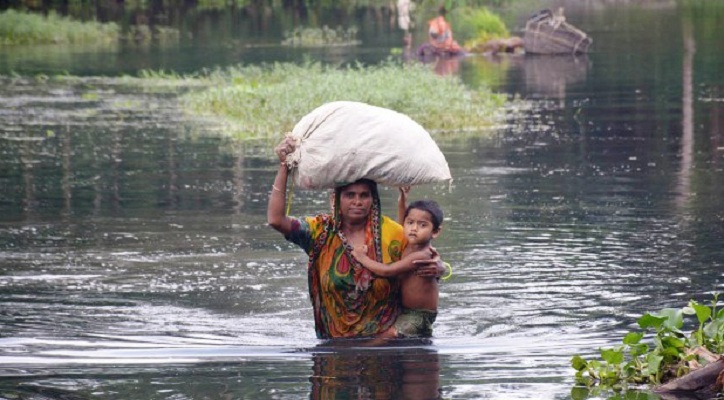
column 348, row 300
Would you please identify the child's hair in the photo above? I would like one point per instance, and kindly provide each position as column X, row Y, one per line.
column 431, row 207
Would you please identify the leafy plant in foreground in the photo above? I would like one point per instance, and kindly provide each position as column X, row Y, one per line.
column 669, row 355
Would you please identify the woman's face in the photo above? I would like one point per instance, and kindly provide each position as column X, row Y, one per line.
column 355, row 202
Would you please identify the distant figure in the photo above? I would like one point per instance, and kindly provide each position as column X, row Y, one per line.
column 403, row 15
column 405, row 23
column 440, row 34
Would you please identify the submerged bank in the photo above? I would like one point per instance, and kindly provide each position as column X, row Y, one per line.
column 257, row 102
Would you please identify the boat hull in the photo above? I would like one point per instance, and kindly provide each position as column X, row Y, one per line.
column 546, row 33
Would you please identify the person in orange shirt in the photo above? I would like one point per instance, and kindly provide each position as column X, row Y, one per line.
column 440, row 34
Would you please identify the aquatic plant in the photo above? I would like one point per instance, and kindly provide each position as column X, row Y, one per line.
column 221, row 4
column 266, row 101
column 668, row 355
column 143, row 33
column 319, row 37
column 20, row 28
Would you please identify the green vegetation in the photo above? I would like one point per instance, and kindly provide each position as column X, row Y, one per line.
column 475, row 26
column 19, row 28
column 669, row 355
column 221, row 4
column 320, row 37
column 143, row 34
column 267, row 101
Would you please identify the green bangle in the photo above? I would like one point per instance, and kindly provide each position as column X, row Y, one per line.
column 449, row 267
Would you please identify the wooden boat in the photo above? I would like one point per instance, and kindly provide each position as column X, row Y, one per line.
column 548, row 33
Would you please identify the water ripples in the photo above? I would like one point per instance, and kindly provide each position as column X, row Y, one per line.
column 165, row 271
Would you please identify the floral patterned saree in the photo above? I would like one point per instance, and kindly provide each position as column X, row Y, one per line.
column 348, row 300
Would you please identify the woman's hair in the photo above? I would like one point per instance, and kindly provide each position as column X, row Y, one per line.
column 431, row 207
column 372, row 185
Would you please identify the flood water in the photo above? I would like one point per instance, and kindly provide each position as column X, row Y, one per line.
column 135, row 262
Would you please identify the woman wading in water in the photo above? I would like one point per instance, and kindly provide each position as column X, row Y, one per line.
column 348, row 300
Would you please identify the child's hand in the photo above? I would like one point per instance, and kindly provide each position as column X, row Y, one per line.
column 426, row 254
column 402, row 203
column 359, row 252
column 404, row 191
column 431, row 267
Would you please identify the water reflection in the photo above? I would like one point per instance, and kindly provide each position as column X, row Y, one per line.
column 406, row 371
column 546, row 76
column 442, row 65
column 69, row 147
column 552, row 76
column 687, row 113
column 447, row 66
column 539, row 77
column 400, row 372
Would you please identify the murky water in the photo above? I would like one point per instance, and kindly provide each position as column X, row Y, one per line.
column 135, row 261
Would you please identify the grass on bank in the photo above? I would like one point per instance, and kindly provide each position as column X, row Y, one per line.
column 20, row 28
column 267, row 101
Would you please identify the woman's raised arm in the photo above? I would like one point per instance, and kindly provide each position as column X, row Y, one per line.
column 275, row 213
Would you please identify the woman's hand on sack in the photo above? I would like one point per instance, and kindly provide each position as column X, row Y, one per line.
column 432, row 268
column 285, row 148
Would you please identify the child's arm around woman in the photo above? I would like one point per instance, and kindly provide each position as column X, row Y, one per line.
column 406, row 264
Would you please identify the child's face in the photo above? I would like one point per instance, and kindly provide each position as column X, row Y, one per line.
column 418, row 227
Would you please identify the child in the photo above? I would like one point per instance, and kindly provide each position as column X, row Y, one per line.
column 422, row 223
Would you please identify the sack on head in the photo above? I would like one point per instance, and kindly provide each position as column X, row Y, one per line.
column 343, row 141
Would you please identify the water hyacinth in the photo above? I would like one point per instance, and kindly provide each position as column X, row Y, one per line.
column 266, row 101
column 320, row 37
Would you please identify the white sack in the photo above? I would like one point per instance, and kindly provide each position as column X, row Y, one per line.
column 343, row 141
